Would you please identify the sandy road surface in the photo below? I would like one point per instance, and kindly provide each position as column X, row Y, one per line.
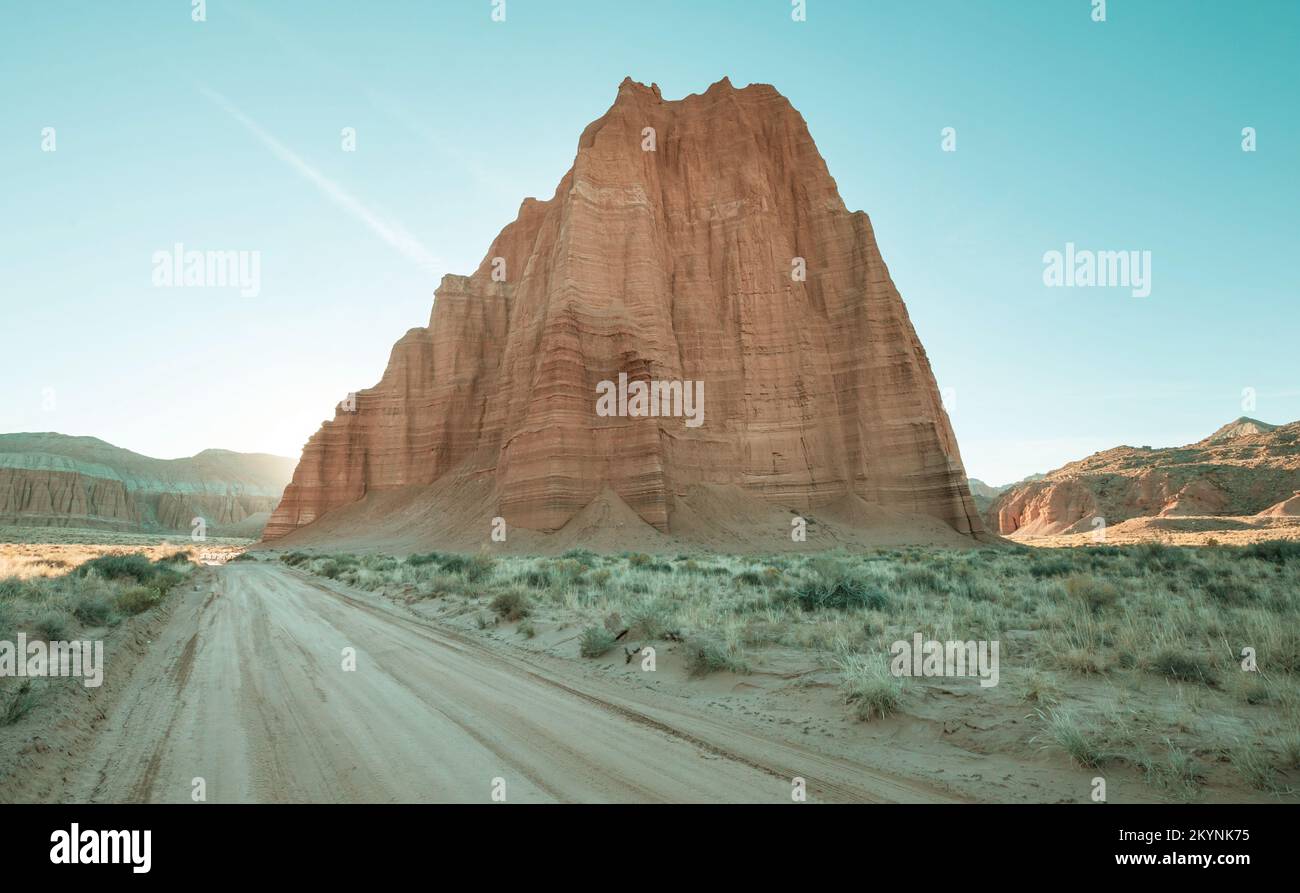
column 245, row 688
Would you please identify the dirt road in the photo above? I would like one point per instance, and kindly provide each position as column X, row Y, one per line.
column 246, row 689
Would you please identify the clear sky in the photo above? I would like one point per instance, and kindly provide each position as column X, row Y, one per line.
column 226, row 134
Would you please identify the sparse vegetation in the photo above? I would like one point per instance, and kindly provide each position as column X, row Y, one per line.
column 512, row 605
column 596, row 640
column 1079, row 628
column 705, row 654
column 20, row 703
column 1062, row 730
column 101, row 592
column 868, row 686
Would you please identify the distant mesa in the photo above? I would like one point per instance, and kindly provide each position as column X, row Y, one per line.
column 54, row 480
column 1245, row 468
column 696, row 240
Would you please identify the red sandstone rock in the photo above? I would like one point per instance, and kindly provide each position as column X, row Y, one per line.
column 1247, row 467
column 667, row 265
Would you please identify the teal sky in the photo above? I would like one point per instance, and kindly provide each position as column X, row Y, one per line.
column 1122, row 135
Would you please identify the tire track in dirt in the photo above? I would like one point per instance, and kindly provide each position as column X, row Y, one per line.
column 261, row 707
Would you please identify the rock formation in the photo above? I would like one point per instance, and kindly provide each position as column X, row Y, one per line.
column 674, row 250
column 52, row 480
column 1245, row 468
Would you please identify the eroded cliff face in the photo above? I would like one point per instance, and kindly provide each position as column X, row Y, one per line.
column 50, row 480
column 667, row 265
column 1245, row 468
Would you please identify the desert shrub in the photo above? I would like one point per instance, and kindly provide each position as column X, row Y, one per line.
column 479, row 567
column 181, row 557
column 137, row 600
column 426, row 558
column 13, row 589
column 19, row 704
column 1061, row 730
column 511, row 604
column 582, row 556
column 161, row 575
column 834, row 585
column 527, row 630
column 650, row 619
column 868, row 685
column 1254, row 766
column 293, row 559
column 454, row 564
column 245, row 556
column 705, row 654
column 1227, row 591
column 134, row 566
column 570, row 571
column 1276, row 551
column 1176, row 773
column 1159, row 557
column 639, row 559
column 922, row 578
column 596, row 640
column 537, row 578
column 1183, row 667
column 751, row 578
column 978, row 590
column 54, row 626
column 1095, row 594
column 92, row 611
column 331, row 569
column 1055, row 566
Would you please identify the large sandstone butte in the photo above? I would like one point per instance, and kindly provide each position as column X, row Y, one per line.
column 672, row 265
column 54, row 480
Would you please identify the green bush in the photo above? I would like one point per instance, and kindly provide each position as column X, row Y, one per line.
column 1095, row 594
column 922, row 578
column 596, row 640
column 537, row 578
column 479, row 567
column 92, row 611
column 835, row 586
column 1159, row 557
column 868, row 686
column 1056, row 566
column 512, row 605
column 1183, row 667
column 1276, row 551
column 427, row 558
column 135, row 566
column 161, row 575
column 584, row 556
column 137, row 600
column 54, row 626
column 18, row 706
column 707, row 655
